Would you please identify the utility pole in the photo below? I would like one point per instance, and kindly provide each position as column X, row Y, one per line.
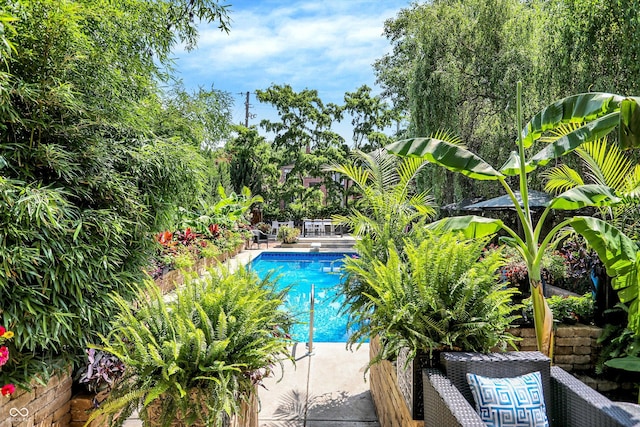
column 247, row 105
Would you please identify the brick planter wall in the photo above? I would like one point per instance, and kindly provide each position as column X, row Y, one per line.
column 43, row 406
column 175, row 278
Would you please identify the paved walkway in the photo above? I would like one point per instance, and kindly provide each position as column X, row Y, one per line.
column 325, row 389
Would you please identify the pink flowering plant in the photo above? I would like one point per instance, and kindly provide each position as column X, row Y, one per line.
column 5, row 335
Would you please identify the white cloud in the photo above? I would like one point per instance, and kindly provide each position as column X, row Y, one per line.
column 324, row 45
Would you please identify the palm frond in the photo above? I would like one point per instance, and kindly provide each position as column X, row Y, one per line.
column 561, row 178
column 606, row 163
column 449, row 137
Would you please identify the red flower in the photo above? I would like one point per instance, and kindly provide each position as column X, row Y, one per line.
column 2, row 330
column 4, row 355
column 8, row 389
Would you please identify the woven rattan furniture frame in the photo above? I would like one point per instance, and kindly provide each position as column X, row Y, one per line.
column 570, row 403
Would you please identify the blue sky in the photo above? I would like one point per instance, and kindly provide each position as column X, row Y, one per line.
column 324, row 45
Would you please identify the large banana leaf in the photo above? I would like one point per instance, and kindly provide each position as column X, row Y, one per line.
column 450, row 156
column 512, row 166
column 630, row 123
column 620, row 257
column 584, row 107
column 591, row 131
column 471, row 226
column 585, row 195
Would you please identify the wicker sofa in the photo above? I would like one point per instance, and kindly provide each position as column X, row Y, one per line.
column 448, row 400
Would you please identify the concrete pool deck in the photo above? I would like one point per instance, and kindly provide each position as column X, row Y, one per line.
column 328, row 388
column 325, row 389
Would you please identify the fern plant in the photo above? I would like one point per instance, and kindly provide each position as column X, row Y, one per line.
column 200, row 354
column 446, row 295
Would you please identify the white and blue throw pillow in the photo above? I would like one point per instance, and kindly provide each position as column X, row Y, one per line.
column 512, row 402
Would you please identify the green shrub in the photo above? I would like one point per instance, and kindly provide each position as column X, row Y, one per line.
column 202, row 353
column 85, row 177
column 446, row 295
column 566, row 309
column 288, row 234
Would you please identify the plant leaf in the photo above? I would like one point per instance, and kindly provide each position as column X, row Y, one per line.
column 591, row 131
column 585, row 195
column 573, row 109
column 617, row 251
column 512, row 166
column 629, row 363
column 472, row 226
column 629, row 123
column 561, row 178
column 451, row 156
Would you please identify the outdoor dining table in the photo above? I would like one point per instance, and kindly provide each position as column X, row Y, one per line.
column 317, row 226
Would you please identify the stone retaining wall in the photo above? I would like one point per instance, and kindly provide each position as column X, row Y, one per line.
column 43, row 406
column 576, row 347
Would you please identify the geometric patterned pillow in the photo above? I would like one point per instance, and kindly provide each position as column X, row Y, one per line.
column 513, row 402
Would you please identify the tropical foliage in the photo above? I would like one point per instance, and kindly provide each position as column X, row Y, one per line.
column 288, row 234
column 605, row 164
column 389, row 208
column 446, row 294
column 200, row 354
column 602, row 113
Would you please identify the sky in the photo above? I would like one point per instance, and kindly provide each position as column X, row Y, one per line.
column 328, row 46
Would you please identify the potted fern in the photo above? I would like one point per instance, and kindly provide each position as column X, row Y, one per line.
column 441, row 293
column 196, row 358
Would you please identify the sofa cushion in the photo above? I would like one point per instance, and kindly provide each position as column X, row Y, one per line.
column 512, row 402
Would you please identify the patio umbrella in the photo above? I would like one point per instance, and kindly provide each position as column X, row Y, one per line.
column 537, row 200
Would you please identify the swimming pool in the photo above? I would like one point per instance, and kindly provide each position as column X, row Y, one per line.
column 300, row 270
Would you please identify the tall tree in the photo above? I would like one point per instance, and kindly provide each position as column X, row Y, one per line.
column 591, row 45
column 463, row 59
column 252, row 163
column 201, row 117
column 305, row 138
column 370, row 117
column 305, row 121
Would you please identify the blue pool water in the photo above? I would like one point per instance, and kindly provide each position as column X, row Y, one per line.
column 300, row 271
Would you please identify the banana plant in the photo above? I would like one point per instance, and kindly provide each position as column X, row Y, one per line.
column 600, row 114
